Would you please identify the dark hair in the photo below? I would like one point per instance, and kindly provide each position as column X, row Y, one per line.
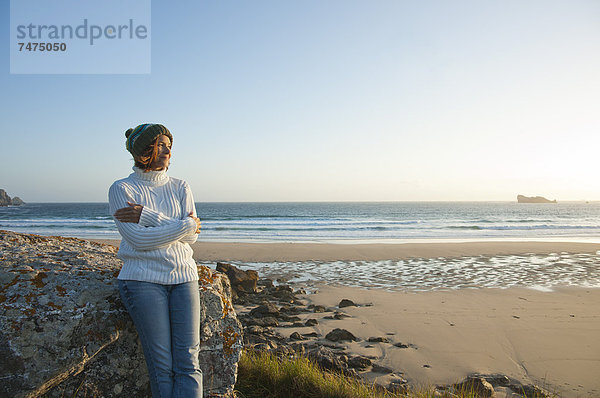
column 149, row 156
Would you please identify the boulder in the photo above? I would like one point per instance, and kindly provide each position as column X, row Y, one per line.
column 296, row 336
column 475, row 385
column 381, row 369
column 290, row 318
column 318, row 308
column 283, row 293
column 311, row 334
column 265, row 310
column 290, row 309
column 340, row 315
column 340, row 335
column 346, row 303
column 398, row 386
column 530, row 390
column 267, row 321
column 359, row 362
column 65, row 332
column 268, row 283
column 326, row 359
column 241, row 281
column 495, row 379
column 405, row 345
column 378, row 340
column 255, row 329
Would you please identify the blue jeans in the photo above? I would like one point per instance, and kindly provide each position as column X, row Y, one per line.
column 167, row 319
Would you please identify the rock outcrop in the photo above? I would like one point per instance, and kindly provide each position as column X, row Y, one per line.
column 65, row 332
column 533, row 199
column 242, row 282
column 5, row 200
column 16, row 201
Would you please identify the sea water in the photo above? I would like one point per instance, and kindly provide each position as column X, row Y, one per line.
column 372, row 222
column 339, row 222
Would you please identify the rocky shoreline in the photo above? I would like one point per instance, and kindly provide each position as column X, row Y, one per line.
column 266, row 308
column 64, row 331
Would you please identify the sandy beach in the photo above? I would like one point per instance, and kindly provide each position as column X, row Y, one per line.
column 266, row 252
column 546, row 338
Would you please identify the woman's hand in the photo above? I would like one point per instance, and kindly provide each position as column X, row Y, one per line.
column 129, row 214
column 197, row 221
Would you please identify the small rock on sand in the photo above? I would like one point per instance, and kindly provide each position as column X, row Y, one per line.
column 346, row 303
column 378, row 340
column 381, row 369
column 340, row 335
column 359, row 362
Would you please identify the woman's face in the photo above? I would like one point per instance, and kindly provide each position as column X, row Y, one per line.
column 164, row 153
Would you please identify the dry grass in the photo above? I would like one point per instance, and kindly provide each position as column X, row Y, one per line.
column 262, row 375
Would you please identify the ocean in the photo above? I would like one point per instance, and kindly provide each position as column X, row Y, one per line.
column 338, row 222
column 372, row 222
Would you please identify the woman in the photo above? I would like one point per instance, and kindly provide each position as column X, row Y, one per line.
column 158, row 283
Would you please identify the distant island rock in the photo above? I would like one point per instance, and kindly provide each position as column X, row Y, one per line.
column 16, row 201
column 6, row 200
column 533, row 199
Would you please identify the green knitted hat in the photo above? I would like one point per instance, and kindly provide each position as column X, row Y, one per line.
column 140, row 137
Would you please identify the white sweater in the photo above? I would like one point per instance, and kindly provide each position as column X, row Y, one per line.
column 157, row 249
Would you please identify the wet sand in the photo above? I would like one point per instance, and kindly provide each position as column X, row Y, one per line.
column 266, row 252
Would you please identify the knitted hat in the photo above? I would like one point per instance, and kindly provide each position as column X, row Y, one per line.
column 140, row 137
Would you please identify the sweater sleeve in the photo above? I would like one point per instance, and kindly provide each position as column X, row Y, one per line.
column 146, row 238
column 152, row 218
column 188, row 206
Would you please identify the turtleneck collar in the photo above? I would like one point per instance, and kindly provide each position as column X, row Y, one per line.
column 153, row 176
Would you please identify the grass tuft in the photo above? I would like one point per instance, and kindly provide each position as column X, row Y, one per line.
column 263, row 375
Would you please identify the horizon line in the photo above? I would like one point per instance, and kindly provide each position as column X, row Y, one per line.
column 351, row 201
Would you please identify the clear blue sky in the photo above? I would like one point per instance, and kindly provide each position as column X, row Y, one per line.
column 328, row 100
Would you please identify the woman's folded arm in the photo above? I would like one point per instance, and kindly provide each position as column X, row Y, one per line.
column 152, row 218
column 148, row 238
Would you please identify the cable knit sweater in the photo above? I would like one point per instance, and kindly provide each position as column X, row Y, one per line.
column 157, row 249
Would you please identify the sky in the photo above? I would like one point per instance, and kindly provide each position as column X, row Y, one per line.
column 327, row 100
